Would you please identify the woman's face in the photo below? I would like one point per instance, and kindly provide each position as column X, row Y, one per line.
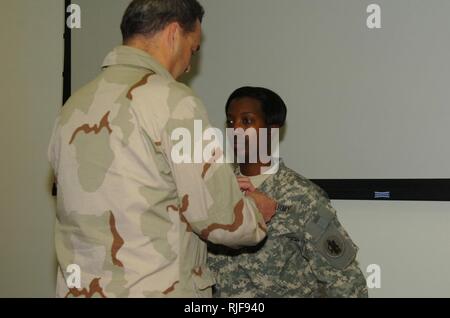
column 246, row 113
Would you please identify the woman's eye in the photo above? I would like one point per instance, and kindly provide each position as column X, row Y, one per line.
column 246, row 121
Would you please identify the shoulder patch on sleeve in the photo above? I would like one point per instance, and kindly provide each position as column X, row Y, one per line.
column 328, row 241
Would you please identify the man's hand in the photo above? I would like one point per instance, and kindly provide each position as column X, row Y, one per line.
column 266, row 205
column 246, row 185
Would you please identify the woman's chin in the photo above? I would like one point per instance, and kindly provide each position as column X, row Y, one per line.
column 240, row 154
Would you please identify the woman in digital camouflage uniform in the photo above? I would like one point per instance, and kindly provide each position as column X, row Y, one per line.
column 307, row 252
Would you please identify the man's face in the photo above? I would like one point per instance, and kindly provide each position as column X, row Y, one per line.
column 188, row 45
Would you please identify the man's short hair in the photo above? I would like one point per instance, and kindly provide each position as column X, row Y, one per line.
column 272, row 106
column 147, row 17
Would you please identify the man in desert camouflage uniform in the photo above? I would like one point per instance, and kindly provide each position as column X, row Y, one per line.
column 132, row 219
column 307, row 253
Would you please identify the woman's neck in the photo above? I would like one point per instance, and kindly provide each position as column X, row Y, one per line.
column 252, row 169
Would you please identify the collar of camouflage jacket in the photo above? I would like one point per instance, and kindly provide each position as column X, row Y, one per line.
column 272, row 177
column 127, row 55
column 275, row 188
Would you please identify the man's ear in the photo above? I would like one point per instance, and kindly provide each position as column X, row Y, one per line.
column 172, row 33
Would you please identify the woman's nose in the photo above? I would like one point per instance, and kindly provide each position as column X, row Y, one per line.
column 237, row 125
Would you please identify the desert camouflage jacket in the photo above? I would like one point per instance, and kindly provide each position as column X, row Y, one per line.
column 307, row 253
column 131, row 219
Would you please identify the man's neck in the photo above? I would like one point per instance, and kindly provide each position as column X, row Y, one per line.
column 152, row 48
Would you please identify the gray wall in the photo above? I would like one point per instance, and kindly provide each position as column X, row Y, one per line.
column 100, row 32
column 409, row 240
column 31, row 33
column 374, row 102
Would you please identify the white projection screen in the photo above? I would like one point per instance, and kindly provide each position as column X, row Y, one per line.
column 368, row 109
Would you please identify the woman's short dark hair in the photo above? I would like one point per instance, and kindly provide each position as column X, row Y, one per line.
column 273, row 107
column 148, row 17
